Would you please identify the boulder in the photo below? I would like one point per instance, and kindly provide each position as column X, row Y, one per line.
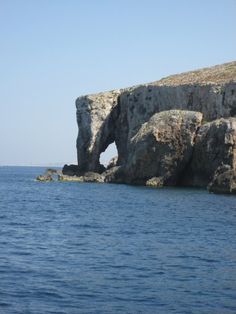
column 155, row 182
column 70, row 170
column 162, row 147
column 93, row 177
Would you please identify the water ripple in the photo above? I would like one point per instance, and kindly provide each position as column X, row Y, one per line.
column 97, row 248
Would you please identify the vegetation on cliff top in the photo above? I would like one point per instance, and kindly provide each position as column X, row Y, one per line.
column 218, row 74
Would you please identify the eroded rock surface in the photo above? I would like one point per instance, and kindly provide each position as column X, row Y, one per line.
column 224, row 181
column 87, row 177
column 71, row 170
column 113, row 162
column 44, row 178
column 118, row 116
column 49, row 175
column 162, row 147
column 215, row 144
column 155, row 182
column 96, row 118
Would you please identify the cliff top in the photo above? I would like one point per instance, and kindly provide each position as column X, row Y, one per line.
column 218, row 74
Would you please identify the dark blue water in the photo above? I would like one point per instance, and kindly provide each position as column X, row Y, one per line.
column 100, row 248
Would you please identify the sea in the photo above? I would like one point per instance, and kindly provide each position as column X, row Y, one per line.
column 69, row 247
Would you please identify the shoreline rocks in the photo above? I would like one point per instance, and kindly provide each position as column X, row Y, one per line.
column 58, row 175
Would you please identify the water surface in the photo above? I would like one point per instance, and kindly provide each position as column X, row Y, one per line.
column 104, row 248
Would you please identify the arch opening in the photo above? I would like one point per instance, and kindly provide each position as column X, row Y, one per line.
column 108, row 154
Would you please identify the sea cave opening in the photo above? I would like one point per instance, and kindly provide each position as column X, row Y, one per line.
column 108, row 154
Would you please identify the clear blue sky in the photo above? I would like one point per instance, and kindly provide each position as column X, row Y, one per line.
column 52, row 51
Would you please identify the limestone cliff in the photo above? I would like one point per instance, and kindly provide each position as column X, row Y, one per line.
column 96, row 116
column 215, row 144
column 162, row 147
column 117, row 116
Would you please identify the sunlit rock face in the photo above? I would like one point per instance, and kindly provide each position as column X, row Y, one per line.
column 117, row 116
column 163, row 146
column 96, row 118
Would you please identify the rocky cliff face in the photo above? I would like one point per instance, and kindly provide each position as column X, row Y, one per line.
column 118, row 116
column 138, row 105
column 162, row 147
column 215, row 144
column 96, row 116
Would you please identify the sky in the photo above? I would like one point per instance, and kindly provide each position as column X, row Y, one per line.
column 53, row 51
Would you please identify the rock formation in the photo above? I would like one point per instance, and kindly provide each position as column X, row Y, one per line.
column 49, row 175
column 96, row 116
column 224, row 181
column 70, row 174
column 162, row 147
column 87, row 177
column 123, row 116
column 215, row 144
column 112, row 163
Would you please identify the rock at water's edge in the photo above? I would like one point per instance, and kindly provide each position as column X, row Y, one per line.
column 116, row 116
column 155, row 182
column 70, row 170
column 169, row 153
column 162, row 147
column 215, row 144
column 44, row 178
column 87, row 177
column 224, row 181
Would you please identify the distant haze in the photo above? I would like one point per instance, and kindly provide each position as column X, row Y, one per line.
column 54, row 51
